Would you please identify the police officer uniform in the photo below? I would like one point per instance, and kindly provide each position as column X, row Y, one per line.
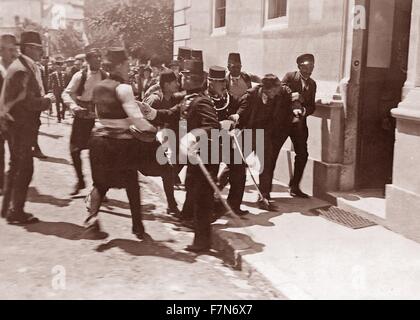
column 57, row 84
column 226, row 106
column 199, row 112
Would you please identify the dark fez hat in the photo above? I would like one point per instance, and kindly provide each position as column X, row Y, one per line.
column 167, row 76
column 197, row 55
column 234, row 58
column 270, row 81
column 8, row 38
column 193, row 67
column 31, row 38
column 184, row 53
column 116, row 55
column 305, row 59
column 217, row 73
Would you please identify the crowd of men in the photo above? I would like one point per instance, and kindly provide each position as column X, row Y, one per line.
column 119, row 112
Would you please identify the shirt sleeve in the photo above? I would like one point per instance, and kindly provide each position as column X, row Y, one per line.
column 69, row 94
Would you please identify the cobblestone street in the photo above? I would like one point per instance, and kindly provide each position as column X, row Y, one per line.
column 115, row 267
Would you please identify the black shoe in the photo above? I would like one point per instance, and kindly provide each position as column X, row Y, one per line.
column 297, row 193
column 173, row 211
column 265, row 205
column 79, row 186
column 139, row 232
column 38, row 154
column 21, row 218
column 197, row 249
column 241, row 213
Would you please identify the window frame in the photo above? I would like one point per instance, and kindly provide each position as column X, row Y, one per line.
column 282, row 21
column 218, row 30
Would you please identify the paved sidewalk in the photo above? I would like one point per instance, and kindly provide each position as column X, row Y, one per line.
column 305, row 256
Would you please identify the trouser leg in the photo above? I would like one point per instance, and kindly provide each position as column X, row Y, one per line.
column 77, row 164
column 299, row 136
column 22, row 168
column 133, row 194
column 2, row 162
column 203, row 200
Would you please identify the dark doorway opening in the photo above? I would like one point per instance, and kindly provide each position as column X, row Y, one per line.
column 384, row 74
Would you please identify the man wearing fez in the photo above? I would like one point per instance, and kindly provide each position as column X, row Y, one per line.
column 226, row 105
column 238, row 82
column 22, row 101
column 303, row 90
column 256, row 111
column 162, row 98
column 114, row 151
column 8, row 53
column 78, row 98
column 57, row 84
column 199, row 112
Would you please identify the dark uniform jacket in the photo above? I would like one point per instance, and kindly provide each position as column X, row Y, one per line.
column 293, row 81
column 57, row 83
column 254, row 114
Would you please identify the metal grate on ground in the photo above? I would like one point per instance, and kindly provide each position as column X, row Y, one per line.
column 344, row 218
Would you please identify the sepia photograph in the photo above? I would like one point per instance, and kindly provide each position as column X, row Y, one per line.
column 210, row 155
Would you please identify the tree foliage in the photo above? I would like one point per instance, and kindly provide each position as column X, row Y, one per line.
column 67, row 42
column 145, row 27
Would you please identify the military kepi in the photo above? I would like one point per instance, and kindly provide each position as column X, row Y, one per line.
column 305, row 59
column 193, row 67
column 184, row 53
column 197, row 55
column 217, row 73
column 30, row 38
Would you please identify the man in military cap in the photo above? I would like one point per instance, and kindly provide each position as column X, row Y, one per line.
column 57, row 84
column 77, row 65
column 197, row 55
column 78, row 98
column 256, row 112
column 226, row 105
column 303, row 90
column 184, row 53
column 8, row 53
column 199, row 112
column 21, row 103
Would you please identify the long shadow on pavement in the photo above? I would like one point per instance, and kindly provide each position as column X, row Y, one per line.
column 148, row 247
column 35, row 197
column 64, row 230
column 242, row 241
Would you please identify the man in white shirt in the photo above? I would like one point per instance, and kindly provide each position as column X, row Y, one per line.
column 78, row 98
